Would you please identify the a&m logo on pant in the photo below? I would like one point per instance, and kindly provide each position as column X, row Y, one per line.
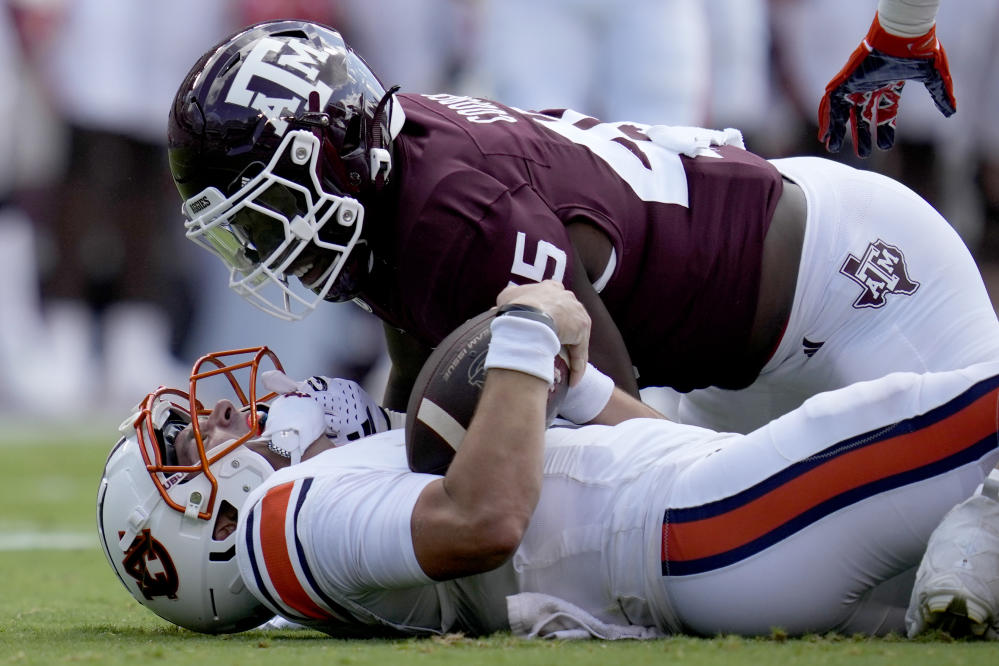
column 881, row 271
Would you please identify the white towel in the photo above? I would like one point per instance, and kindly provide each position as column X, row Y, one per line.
column 694, row 141
column 279, row 623
column 534, row 615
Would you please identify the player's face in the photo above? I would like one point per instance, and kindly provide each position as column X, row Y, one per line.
column 225, row 423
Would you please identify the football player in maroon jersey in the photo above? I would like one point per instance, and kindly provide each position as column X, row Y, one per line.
column 745, row 284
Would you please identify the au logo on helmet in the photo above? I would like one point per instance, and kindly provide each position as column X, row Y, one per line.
column 149, row 563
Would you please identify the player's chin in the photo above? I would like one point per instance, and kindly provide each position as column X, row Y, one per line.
column 350, row 278
column 312, row 268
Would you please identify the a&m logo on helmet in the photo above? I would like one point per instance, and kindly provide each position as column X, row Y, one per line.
column 296, row 72
column 149, row 563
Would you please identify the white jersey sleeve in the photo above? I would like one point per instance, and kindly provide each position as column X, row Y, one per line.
column 315, row 537
column 359, row 529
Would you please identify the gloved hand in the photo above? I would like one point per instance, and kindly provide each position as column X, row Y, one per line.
column 294, row 421
column 350, row 412
column 866, row 91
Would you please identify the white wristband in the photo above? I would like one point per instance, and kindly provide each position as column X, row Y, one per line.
column 524, row 345
column 587, row 398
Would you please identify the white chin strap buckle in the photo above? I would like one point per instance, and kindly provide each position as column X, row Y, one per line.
column 381, row 163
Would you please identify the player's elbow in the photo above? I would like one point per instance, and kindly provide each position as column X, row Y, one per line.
column 462, row 538
column 497, row 537
column 474, row 548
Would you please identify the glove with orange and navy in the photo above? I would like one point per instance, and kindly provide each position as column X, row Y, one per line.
column 865, row 93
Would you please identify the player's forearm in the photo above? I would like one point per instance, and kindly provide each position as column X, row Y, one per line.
column 496, row 474
column 397, row 391
column 473, row 520
column 407, row 356
column 596, row 400
column 623, row 407
column 907, row 18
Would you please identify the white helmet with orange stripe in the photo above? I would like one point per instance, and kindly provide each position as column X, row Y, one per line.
column 166, row 524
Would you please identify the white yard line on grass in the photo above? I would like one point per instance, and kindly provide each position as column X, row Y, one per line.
column 47, row 541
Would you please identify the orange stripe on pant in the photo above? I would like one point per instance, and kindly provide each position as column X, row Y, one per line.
column 904, row 452
column 274, row 511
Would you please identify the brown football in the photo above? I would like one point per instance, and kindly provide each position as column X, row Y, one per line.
column 447, row 390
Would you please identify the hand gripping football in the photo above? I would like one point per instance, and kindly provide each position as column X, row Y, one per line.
column 447, row 390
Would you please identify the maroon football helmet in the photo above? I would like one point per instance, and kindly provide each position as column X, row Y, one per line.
column 276, row 137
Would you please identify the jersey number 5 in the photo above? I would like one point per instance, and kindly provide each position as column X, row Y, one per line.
column 536, row 270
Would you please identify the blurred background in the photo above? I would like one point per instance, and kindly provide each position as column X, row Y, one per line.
column 101, row 296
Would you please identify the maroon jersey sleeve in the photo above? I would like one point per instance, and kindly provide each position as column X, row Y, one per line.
column 472, row 239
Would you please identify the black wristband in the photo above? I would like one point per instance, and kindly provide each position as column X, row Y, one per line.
column 527, row 312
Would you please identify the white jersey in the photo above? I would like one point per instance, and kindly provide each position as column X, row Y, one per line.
column 330, row 539
column 651, row 523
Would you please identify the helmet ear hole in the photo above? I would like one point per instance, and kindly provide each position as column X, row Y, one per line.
column 225, row 524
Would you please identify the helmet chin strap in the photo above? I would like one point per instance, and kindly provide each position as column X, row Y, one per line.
column 379, row 156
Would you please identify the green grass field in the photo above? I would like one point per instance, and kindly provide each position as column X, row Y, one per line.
column 60, row 603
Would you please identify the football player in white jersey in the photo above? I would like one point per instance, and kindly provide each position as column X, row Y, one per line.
column 633, row 526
